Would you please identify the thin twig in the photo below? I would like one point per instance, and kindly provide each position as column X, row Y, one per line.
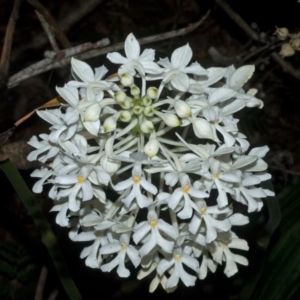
column 234, row 16
column 79, row 11
column 237, row 18
column 51, row 21
column 89, row 50
column 5, row 55
column 83, row 8
column 41, row 284
column 285, row 65
column 48, row 30
column 53, row 61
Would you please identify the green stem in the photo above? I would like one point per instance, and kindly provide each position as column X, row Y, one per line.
column 42, row 224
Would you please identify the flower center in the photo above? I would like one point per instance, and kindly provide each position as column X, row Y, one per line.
column 123, row 246
column 217, row 175
column 80, row 179
column 136, row 179
column 153, row 223
column 203, row 210
column 185, row 189
column 177, row 256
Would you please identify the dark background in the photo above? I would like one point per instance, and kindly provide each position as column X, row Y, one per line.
column 22, row 255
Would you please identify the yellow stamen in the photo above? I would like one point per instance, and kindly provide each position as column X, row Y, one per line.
column 185, row 189
column 217, row 175
column 203, row 210
column 177, row 256
column 136, row 179
column 123, row 246
column 153, row 223
column 80, row 179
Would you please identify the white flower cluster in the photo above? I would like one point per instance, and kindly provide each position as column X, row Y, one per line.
column 147, row 165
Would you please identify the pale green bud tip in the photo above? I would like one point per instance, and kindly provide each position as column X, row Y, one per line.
column 137, row 110
column 148, row 111
column 120, row 96
column 125, row 116
column 152, row 92
column 135, row 91
column 147, row 100
column 126, row 79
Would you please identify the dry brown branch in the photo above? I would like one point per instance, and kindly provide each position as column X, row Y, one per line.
column 89, row 50
column 51, row 21
column 234, row 16
column 48, row 30
column 5, row 55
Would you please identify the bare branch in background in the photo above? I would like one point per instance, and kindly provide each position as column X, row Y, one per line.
column 285, row 65
column 5, row 55
column 48, row 30
column 239, row 21
column 77, row 13
column 51, row 21
column 79, row 10
column 89, row 50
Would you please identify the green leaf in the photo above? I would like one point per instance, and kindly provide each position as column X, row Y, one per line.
column 281, row 276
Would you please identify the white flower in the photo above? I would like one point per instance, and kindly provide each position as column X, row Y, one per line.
column 134, row 61
column 176, row 70
column 78, row 182
column 123, row 248
column 208, row 215
column 136, row 181
column 185, row 191
column 179, row 258
column 154, row 225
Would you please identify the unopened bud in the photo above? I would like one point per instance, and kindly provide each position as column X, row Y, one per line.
column 126, row 79
column 137, row 110
column 151, row 148
column 170, row 119
column 147, row 126
column 149, row 111
column 126, row 104
column 182, row 109
column 92, row 113
column 125, row 116
column 147, row 101
column 120, row 96
column 110, row 123
column 286, row 50
column 282, row 33
column 135, row 91
column 152, row 92
column 295, row 43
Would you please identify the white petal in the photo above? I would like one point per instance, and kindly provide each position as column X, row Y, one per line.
column 132, row 47
column 181, row 57
column 82, row 70
column 241, row 76
column 117, row 58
